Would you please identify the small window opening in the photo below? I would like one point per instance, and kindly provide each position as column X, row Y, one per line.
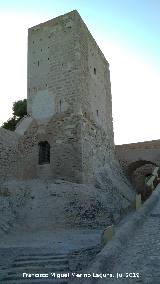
column 38, row 63
column 97, row 112
column 85, row 114
column 94, row 70
column 33, row 41
column 48, row 58
column 60, row 105
column 41, row 49
column 44, row 152
column 46, row 85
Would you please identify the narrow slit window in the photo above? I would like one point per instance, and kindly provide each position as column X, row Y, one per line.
column 97, row 112
column 60, row 105
column 94, row 70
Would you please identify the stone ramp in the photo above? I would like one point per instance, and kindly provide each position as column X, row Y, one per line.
column 35, row 264
column 133, row 255
column 23, row 124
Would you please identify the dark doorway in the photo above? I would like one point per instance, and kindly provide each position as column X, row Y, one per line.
column 44, row 152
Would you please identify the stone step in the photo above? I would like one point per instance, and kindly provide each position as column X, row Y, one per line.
column 42, row 256
column 26, row 261
column 55, row 255
column 17, row 274
column 20, row 277
column 32, row 281
column 35, row 263
column 38, row 265
column 37, row 268
column 39, row 260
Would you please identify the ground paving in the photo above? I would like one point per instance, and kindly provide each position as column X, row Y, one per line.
column 139, row 261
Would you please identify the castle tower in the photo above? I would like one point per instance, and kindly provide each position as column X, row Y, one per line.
column 69, row 99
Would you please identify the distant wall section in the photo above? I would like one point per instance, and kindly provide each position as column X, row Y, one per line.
column 128, row 154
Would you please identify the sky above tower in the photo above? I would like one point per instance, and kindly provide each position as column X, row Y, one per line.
column 127, row 32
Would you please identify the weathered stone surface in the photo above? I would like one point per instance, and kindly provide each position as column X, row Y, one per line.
column 69, row 108
column 46, row 205
column 69, row 94
column 8, row 154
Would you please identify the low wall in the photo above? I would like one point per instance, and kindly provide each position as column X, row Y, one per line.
column 8, row 154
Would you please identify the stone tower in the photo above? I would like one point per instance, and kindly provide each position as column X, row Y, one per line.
column 69, row 101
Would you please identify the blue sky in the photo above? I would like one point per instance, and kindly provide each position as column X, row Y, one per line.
column 128, row 34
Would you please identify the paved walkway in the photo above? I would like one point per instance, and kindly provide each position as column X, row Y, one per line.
column 139, row 262
column 142, row 254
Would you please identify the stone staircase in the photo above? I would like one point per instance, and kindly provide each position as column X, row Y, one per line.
column 33, row 265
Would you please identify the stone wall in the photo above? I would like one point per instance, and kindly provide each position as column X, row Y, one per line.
column 138, row 160
column 52, row 67
column 69, row 96
column 96, row 150
column 13, row 197
column 94, row 84
column 77, row 149
column 128, row 154
column 62, row 132
column 8, row 154
column 95, row 103
column 28, row 153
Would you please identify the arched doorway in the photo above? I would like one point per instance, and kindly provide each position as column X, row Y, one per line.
column 137, row 172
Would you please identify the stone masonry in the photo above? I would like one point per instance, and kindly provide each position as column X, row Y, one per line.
column 70, row 108
column 69, row 100
column 67, row 135
column 8, row 154
column 139, row 160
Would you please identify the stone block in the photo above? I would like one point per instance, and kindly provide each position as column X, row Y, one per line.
column 107, row 235
column 138, row 201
